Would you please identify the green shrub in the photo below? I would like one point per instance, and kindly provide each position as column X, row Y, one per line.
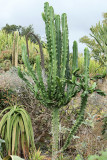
column 102, row 156
column 35, row 155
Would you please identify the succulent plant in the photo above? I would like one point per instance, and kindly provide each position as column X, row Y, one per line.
column 16, row 130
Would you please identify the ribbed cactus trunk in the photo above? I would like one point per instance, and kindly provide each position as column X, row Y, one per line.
column 15, row 49
column 55, row 132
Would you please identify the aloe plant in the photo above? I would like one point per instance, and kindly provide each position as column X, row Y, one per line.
column 56, row 88
column 16, row 130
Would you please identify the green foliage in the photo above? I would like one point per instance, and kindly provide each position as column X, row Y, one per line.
column 35, row 155
column 11, row 28
column 6, row 48
column 78, row 157
column 102, row 156
column 94, row 67
column 23, row 31
column 16, row 130
column 5, row 41
column 98, row 43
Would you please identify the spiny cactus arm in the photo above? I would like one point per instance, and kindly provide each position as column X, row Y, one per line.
column 77, row 123
column 59, row 90
column 53, row 49
column 86, row 67
column 84, row 97
column 68, row 74
column 58, row 43
column 46, row 18
column 40, row 47
column 21, row 75
column 30, row 71
column 66, row 98
column 34, row 88
column 27, row 64
column 42, row 86
column 64, row 44
column 75, row 57
column 71, row 87
column 74, row 60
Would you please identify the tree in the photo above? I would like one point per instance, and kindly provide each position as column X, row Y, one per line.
column 97, row 41
column 26, row 30
column 11, row 28
column 23, row 31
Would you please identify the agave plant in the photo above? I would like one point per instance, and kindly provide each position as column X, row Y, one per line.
column 16, row 130
column 56, row 88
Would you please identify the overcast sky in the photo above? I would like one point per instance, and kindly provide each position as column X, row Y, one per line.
column 81, row 14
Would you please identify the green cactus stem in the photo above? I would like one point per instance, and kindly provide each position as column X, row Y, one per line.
column 55, row 132
column 84, row 95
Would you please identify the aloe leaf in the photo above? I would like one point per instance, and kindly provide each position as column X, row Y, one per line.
column 14, row 137
column 12, row 158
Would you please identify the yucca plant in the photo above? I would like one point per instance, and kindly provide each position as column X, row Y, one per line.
column 56, row 88
column 16, row 130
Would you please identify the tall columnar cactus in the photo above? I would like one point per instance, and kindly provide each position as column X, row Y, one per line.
column 15, row 49
column 56, row 89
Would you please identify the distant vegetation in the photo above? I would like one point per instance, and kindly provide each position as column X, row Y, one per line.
column 6, row 46
column 97, row 41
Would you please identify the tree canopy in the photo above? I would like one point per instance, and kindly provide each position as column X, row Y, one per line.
column 97, row 41
column 23, row 31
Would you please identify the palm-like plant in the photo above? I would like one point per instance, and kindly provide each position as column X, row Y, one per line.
column 59, row 86
column 16, row 130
